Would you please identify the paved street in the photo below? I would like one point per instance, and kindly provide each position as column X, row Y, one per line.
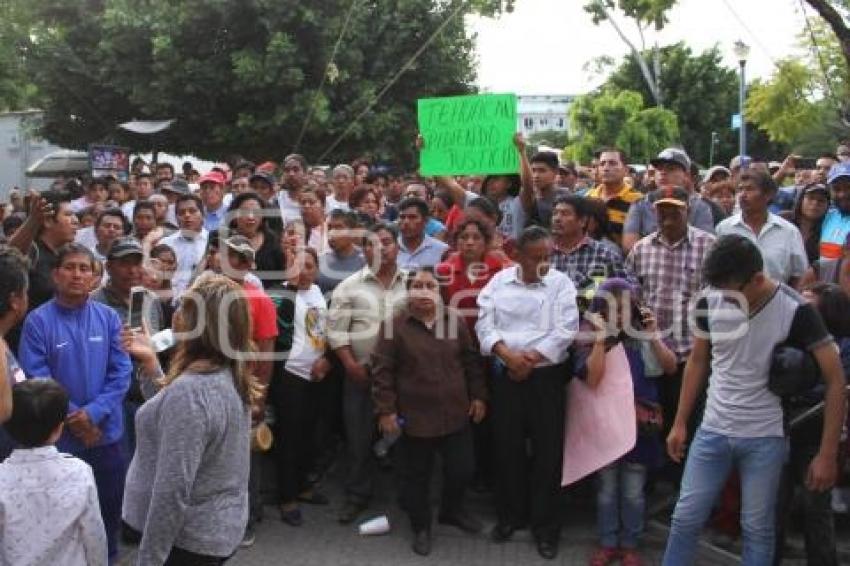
column 323, row 541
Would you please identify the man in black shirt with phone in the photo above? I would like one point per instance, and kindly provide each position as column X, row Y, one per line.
column 124, row 266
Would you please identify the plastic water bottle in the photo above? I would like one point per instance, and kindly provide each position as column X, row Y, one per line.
column 382, row 447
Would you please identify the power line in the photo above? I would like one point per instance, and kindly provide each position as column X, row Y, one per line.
column 830, row 90
column 401, row 71
column 325, row 74
column 752, row 35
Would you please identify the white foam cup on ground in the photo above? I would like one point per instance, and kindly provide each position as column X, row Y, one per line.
column 377, row 526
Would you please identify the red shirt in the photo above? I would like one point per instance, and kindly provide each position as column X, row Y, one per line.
column 263, row 314
column 453, row 218
column 454, row 279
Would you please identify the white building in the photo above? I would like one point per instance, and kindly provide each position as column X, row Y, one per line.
column 20, row 148
column 539, row 113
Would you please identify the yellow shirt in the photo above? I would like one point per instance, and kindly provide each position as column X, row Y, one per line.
column 618, row 205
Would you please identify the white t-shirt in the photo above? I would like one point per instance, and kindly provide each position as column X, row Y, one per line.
column 332, row 204
column 513, row 217
column 310, row 335
column 739, row 404
column 290, row 209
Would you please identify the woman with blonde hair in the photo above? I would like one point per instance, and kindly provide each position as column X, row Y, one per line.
column 187, row 487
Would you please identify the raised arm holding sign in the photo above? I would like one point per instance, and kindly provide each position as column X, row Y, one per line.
column 468, row 135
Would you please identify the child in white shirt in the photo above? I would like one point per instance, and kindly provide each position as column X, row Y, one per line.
column 49, row 511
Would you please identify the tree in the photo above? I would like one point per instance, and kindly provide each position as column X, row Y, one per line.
column 646, row 14
column 16, row 91
column 329, row 78
column 609, row 118
column 802, row 103
column 552, row 138
column 835, row 13
column 698, row 89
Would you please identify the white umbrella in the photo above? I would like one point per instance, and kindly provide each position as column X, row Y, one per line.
column 146, row 127
column 60, row 163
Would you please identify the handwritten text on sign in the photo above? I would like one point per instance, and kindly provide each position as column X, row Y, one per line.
column 468, row 135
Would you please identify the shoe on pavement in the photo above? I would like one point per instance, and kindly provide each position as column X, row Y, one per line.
column 604, row 556
column 630, row 557
column 350, row 511
column 502, row 532
column 547, row 549
column 249, row 537
column 462, row 520
column 422, row 542
column 292, row 517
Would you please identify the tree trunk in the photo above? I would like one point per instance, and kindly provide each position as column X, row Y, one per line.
column 836, row 22
column 651, row 81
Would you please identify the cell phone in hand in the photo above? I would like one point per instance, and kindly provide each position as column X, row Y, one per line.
column 137, row 303
column 805, row 162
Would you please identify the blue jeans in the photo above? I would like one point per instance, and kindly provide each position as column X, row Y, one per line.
column 712, row 456
column 620, row 504
column 109, row 467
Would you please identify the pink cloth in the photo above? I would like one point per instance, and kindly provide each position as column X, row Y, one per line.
column 601, row 425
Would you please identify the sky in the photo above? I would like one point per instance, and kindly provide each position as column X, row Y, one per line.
column 542, row 47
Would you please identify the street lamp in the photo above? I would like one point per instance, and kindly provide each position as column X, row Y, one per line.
column 742, row 50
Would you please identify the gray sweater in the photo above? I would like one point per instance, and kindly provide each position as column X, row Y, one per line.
column 187, row 485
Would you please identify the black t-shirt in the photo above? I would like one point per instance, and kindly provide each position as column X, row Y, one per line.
column 43, row 261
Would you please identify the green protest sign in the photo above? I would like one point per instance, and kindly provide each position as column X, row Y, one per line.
column 468, row 135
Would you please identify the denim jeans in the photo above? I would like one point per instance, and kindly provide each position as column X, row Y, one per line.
column 712, row 456
column 620, row 504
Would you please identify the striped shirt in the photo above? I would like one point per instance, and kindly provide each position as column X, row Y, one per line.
column 618, row 205
column 670, row 276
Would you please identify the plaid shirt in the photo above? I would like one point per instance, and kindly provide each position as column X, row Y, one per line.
column 587, row 260
column 670, row 276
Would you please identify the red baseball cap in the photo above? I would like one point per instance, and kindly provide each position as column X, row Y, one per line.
column 213, row 176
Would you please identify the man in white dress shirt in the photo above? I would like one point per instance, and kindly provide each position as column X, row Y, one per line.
column 528, row 318
column 189, row 243
column 780, row 242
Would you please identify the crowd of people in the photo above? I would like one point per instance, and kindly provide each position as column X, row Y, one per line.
column 157, row 329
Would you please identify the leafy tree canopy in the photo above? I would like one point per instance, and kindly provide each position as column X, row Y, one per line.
column 620, row 119
column 329, row 78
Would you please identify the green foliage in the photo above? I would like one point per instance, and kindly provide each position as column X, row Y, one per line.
column 644, row 12
column 244, row 76
column 801, row 104
column 698, row 89
column 784, row 107
column 620, row 119
column 16, row 91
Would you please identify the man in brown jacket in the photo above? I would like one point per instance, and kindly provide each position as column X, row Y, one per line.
column 428, row 384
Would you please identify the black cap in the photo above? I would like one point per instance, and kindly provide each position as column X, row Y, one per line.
column 123, row 247
column 263, row 176
column 815, row 188
column 178, row 186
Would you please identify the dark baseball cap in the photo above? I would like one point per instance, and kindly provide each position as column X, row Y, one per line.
column 264, row 177
column 124, row 247
column 178, row 186
column 673, row 155
column 815, row 188
column 676, row 196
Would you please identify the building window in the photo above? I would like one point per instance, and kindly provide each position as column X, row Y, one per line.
column 560, row 122
column 544, row 121
column 529, row 123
